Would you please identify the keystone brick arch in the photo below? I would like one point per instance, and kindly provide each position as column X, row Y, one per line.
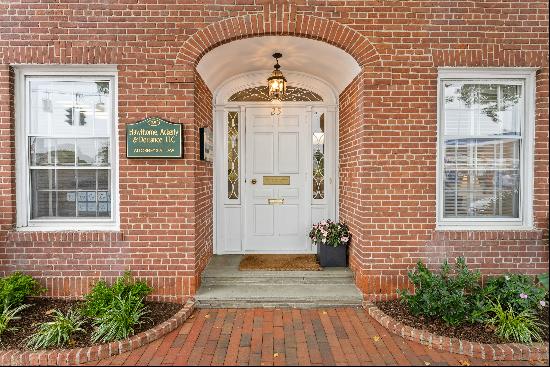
column 278, row 20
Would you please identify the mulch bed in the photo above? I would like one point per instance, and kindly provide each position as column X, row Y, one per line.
column 471, row 332
column 38, row 313
column 280, row 263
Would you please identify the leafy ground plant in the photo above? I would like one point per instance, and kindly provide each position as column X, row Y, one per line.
column 543, row 280
column 449, row 295
column 119, row 321
column 9, row 313
column 523, row 327
column 102, row 297
column 57, row 333
column 15, row 288
column 518, row 291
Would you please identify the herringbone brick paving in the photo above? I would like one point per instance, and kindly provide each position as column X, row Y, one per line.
column 336, row 336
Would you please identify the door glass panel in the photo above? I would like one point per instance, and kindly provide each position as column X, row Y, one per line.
column 318, row 128
column 233, row 155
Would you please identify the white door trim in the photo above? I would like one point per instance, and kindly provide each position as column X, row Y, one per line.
column 229, row 210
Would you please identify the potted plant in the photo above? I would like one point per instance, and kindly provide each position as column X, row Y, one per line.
column 332, row 240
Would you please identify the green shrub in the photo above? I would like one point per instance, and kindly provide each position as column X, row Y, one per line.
column 522, row 327
column 517, row 291
column 119, row 321
column 8, row 314
column 449, row 295
column 543, row 280
column 56, row 333
column 15, row 288
column 102, row 297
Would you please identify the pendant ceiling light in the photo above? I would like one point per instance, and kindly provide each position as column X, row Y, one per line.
column 277, row 82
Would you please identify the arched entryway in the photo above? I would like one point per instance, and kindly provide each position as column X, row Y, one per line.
column 285, row 21
column 274, row 174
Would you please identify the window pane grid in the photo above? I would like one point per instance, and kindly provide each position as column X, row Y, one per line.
column 482, row 144
column 69, row 107
column 69, row 148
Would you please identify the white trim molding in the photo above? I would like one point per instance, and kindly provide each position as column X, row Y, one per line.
column 519, row 76
column 233, row 210
column 23, row 73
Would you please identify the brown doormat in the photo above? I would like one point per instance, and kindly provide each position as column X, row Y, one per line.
column 279, row 262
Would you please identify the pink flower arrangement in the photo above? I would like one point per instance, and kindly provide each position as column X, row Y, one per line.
column 330, row 233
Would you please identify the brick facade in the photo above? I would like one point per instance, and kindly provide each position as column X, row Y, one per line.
column 387, row 128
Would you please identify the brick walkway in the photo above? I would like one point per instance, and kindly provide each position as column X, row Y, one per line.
column 343, row 336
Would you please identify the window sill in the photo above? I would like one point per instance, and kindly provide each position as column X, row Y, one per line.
column 483, row 227
column 70, row 227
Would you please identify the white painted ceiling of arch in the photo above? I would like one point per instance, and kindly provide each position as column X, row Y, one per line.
column 316, row 58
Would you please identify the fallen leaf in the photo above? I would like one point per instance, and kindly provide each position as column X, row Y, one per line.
column 324, row 312
column 426, row 363
column 207, row 316
column 49, row 312
column 192, row 316
column 464, row 362
column 275, row 355
column 376, row 338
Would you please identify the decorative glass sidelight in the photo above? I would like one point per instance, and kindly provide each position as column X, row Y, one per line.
column 318, row 154
column 261, row 94
column 233, row 155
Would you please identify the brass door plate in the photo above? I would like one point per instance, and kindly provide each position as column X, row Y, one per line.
column 275, row 201
column 276, row 180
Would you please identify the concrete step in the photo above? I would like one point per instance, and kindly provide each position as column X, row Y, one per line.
column 273, row 304
column 224, row 286
column 330, row 276
column 294, row 295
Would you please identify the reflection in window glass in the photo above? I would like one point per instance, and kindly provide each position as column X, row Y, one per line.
column 318, row 129
column 482, row 162
column 69, row 148
column 233, row 155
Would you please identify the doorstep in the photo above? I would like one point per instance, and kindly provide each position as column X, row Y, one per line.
column 224, row 286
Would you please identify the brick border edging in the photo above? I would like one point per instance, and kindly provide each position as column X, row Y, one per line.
column 497, row 352
column 63, row 357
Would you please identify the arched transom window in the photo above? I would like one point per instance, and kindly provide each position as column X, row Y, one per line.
column 261, row 94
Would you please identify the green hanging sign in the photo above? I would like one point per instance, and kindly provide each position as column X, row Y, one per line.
column 154, row 138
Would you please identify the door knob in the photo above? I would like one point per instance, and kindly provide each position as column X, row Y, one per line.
column 253, row 181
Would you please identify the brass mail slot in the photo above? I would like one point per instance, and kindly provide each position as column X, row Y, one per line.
column 275, row 201
column 276, row 180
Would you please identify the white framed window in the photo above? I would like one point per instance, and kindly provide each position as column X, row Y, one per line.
column 66, row 147
column 485, row 148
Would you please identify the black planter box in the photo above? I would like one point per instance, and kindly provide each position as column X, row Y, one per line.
column 332, row 256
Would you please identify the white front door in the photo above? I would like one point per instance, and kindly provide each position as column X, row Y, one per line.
column 276, row 181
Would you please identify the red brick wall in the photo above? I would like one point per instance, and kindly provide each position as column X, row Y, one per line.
column 7, row 154
column 351, row 139
column 388, row 117
column 203, row 181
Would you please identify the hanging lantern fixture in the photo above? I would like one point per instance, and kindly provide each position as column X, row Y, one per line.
column 277, row 82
